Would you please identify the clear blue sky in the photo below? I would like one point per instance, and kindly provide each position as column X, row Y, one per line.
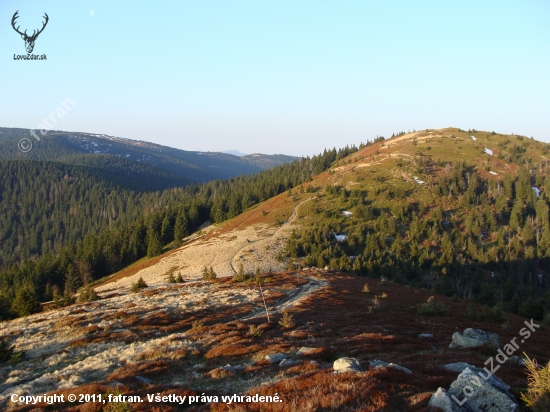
column 279, row 77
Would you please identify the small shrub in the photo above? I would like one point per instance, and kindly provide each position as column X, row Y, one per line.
column 239, row 276
column 117, row 406
column 197, row 324
column 255, row 331
column 538, row 389
column 258, row 279
column 375, row 308
column 87, row 294
column 138, row 285
column 61, row 301
column 287, row 321
column 179, row 279
column 366, row 288
column 384, row 295
column 432, row 308
column 170, row 275
column 497, row 315
column 208, row 273
column 471, row 311
column 8, row 353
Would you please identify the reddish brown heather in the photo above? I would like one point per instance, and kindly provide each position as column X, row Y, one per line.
column 335, row 320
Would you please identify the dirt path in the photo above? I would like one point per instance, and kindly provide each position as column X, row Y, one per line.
column 291, row 299
column 266, row 248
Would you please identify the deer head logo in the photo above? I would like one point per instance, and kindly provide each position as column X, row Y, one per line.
column 29, row 40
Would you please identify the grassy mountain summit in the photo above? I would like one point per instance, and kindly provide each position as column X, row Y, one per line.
column 462, row 213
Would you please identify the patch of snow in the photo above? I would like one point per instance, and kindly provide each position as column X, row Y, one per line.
column 488, row 151
column 417, row 180
column 340, row 238
column 347, row 213
column 493, row 173
column 536, row 190
column 473, row 138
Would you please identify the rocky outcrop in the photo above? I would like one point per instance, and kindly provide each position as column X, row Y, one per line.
column 474, row 390
column 346, row 365
column 472, row 338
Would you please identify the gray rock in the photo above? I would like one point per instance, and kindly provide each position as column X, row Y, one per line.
column 482, row 373
column 441, row 399
column 346, row 365
column 144, row 380
column 229, row 368
column 482, row 395
column 276, row 357
column 400, row 368
column 425, row 336
column 472, row 338
column 243, row 366
column 516, row 361
column 457, row 366
column 314, row 363
column 378, row 364
column 287, row 362
column 305, row 351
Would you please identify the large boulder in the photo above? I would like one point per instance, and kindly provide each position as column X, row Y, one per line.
column 346, row 365
column 472, row 338
column 471, row 392
column 493, row 380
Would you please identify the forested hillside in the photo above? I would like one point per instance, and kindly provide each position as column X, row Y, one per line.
column 70, row 184
column 151, row 220
column 45, row 205
column 465, row 214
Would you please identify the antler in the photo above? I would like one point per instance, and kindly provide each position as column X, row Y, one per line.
column 34, row 35
column 15, row 16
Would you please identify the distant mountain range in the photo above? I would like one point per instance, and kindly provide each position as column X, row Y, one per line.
column 234, row 153
column 125, row 157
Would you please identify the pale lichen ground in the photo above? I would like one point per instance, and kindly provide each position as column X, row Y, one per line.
column 52, row 363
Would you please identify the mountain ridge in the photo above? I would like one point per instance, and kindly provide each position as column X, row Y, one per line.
column 194, row 166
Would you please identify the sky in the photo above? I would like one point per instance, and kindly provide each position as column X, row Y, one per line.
column 290, row 77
